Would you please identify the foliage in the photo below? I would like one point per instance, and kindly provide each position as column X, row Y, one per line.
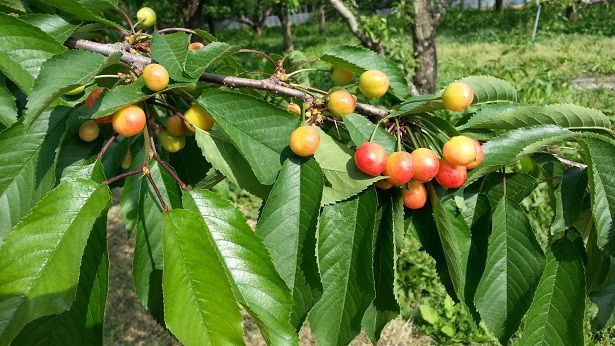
column 327, row 241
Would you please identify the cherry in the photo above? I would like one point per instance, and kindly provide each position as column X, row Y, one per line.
column 92, row 97
column 78, row 90
column 129, row 120
column 195, row 46
column 104, row 120
column 175, row 126
column 399, row 168
column 373, row 83
column 426, row 164
column 146, row 16
column 457, row 96
column 294, row 108
column 371, row 158
column 127, row 160
column 199, row 118
column 459, row 150
column 304, row 140
column 341, row 76
column 415, row 196
column 170, row 143
column 479, row 155
column 88, row 131
column 341, row 103
column 383, row 184
column 156, row 77
column 450, row 175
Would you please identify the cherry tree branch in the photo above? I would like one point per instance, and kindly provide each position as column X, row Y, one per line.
column 139, row 61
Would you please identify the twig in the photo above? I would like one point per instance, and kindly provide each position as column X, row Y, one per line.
column 228, row 81
column 165, row 208
column 170, row 171
column 104, row 149
column 122, row 176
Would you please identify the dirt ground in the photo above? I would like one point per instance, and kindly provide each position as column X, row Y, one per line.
column 128, row 323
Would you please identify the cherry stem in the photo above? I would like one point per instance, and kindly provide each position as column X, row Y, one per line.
column 320, row 91
column 504, row 181
column 302, row 62
column 371, row 138
column 301, row 71
column 165, row 208
column 413, row 139
column 258, row 52
column 176, row 112
column 127, row 17
column 122, row 176
column 104, row 149
column 398, row 135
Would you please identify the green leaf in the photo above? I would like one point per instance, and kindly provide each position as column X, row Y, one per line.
column 343, row 176
column 345, row 259
column 224, row 157
column 463, row 253
column 99, row 5
column 359, row 60
column 360, row 129
column 147, row 261
column 287, row 225
column 199, row 307
column 199, row 60
column 83, row 323
column 112, row 100
column 486, row 113
column 599, row 152
column 604, row 298
column 563, row 115
column 12, row 5
column 514, row 264
column 384, row 308
column 516, row 144
column 171, row 51
column 46, row 245
column 8, row 107
column 259, row 130
column 569, row 199
column 257, row 285
column 23, row 49
column 556, row 314
column 79, row 10
column 429, row 314
column 63, row 73
column 55, row 26
column 130, row 200
column 421, row 224
column 490, row 89
column 27, row 164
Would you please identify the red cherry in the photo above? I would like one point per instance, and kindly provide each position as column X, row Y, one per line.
column 92, row 97
column 426, row 164
column 415, row 196
column 451, row 176
column 399, row 168
column 371, row 158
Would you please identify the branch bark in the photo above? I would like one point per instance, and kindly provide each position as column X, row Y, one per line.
column 354, row 27
column 139, row 62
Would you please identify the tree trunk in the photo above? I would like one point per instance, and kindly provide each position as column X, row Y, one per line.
column 322, row 19
column 572, row 14
column 211, row 25
column 424, row 41
column 480, row 4
column 192, row 13
column 353, row 25
column 258, row 29
column 499, row 4
column 285, row 23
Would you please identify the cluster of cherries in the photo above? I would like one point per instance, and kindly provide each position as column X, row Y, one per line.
column 130, row 120
column 401, row 169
